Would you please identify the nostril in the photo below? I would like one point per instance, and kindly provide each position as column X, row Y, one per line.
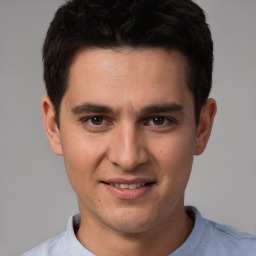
column 127, row 153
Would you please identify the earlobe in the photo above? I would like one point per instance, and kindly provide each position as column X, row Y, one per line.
column 205, row 126
column 50, row 125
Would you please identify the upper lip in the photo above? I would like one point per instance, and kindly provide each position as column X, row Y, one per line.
column 128, row 181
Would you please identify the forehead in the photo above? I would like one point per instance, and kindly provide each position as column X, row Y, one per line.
column 128, row 61
column 119, row 76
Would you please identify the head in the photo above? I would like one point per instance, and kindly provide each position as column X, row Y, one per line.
column 128, row 83
column 169, row 24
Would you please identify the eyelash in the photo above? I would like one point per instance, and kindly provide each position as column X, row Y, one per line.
column 167, row 123
column 89, row 120
column 167, row 120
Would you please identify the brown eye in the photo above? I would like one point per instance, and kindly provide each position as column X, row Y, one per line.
column 96, row 124
column 96, row 120
column 158, row 120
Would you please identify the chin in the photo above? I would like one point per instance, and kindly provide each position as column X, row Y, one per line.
column 131, row 222
column 131, row 227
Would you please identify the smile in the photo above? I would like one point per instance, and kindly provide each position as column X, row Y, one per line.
column 128, row 190
column 128, row 186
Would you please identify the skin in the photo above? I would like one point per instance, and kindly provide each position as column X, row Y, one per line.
column 129, row 139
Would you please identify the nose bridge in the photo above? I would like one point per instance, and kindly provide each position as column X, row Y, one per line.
column 127, row 148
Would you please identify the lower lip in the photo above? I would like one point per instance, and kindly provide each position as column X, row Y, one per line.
column 128, row 194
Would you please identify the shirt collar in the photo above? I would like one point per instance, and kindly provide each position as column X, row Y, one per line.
column 190, row 245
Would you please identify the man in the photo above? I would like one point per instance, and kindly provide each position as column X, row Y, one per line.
column 127, row 106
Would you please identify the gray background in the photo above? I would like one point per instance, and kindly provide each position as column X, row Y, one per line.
column 35, row 196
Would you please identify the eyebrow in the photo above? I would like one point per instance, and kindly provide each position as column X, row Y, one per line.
column 162, row 108
column 98, row 108
column 92, row 108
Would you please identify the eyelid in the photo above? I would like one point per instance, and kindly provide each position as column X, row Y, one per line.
column 171, row 120
column 147, row 121
column 87, row 124
column 87, row 121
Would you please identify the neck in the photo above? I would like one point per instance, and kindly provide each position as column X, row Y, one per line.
column 163, row 239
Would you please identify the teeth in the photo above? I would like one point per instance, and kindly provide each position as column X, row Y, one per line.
column 128, row 186
column 132, row 186
column 124, row 186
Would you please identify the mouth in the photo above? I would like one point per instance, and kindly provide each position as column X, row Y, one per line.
column 130, row 186
column 129, row 189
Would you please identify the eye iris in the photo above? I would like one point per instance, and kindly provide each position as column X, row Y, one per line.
column 97, row 120
column 158, row 120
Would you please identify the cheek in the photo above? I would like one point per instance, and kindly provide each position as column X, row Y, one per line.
column 82, row 156
column 174, row 157
column 174, row 151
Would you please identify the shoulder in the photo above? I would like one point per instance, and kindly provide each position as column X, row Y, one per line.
column 214, row 239
column 222, row 238
column 65, row 244
column 53, row 246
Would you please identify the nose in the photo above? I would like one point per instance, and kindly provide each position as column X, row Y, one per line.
column 127, row 149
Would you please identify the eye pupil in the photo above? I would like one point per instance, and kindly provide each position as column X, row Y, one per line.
column 158, row 120
column 97, row 120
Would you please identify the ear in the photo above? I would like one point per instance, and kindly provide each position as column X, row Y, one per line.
column 205, row 126
column 50, row 125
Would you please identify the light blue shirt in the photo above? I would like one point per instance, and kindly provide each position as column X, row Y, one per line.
column 206, row 239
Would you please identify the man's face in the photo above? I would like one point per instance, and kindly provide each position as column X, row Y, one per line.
column 128, row 136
